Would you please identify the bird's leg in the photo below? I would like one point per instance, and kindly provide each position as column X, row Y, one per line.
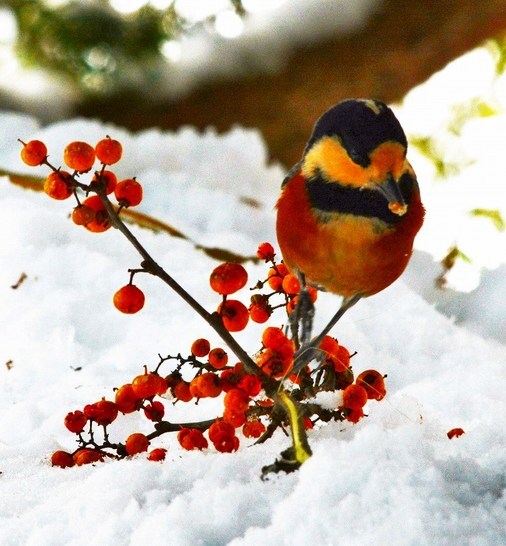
column 306, row 352
column 303, row 314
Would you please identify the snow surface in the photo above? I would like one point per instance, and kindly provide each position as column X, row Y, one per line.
column 394, row 478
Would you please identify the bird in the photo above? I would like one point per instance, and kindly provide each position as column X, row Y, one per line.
column 350, row 209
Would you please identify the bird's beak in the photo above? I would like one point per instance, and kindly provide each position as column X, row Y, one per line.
column 392, row 193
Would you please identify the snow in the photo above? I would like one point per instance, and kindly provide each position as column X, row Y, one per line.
column 393, row 478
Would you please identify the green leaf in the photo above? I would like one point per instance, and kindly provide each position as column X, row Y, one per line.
column 493, row 215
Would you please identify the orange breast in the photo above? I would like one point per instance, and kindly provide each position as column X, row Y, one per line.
column 345, row 254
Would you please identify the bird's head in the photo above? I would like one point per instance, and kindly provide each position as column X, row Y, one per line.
column 360, row 143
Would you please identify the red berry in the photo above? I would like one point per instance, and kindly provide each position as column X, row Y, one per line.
column 273, row 337
column 354, row 397
column 148, row 385
column 87, row 456
column 191, row 438
column 265, row 252
column 234, row 417
column 228, row 278
column 251, row 385
column 291, row 284
column 75, row 421
column 230, row 378
column 218, row 358
column 154, row 411
column 200, row 347
column 259, row 309
column 275, row 276
column 206, row 385
column 108, row 151
column 107, row 178
column 100, row 221
column 129, row 299
column 136, row 443
column 103, row 412
column 33, row 153
column 274, row 363
column 253, row 428
column 59, row 185
column 126, row 400
column 128, row 192
column 79, row 156
column 157, row 454
column 374, row 383
column 82, row 215
column 220, row 428
column 237, row 400
column 62, row 459
column 234, row 314
column 182, row 391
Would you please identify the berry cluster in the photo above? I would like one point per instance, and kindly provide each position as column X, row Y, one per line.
column 248, row 411
column 272, row 389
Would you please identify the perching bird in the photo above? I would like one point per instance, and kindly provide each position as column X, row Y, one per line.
column 350, row 209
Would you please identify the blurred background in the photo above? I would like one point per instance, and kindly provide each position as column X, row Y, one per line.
column 270, row 64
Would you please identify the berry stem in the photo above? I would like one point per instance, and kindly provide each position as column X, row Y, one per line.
column 213, row 319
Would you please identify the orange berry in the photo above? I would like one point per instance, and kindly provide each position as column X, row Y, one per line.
column 273, row 337
column 328, row 345
column 75, row 421
column 207, row 385
column 226, row 444
column 87, row 456
column 340, row 359
column 59, row 185
column 82, row 215
column 107, row 178
column 291, row 284
column 275, row 276
column 79, row 156
column 234, row 417
column 129, row 299
column 237, row 400
column 218, row 358
column 455, row 433
column 136, row 443
column 128, row 192
column 265, row 252
column 62, row 459
column 354, row 397
column 354, row 414
column 108, row 151
column 157, row 454
column 33, row 153
column 230, row 379
column 259, row 309
column 273, row 363
column 126, row 400
column 191, row 438
column 154, row 411
column 234, row 314
column 182, row 391
column 200, row 347
column 250, row 384
column 100, row 221
column 253, row 428
column 374, row 383
column 220, row 428
column 228, row 278
column 148, row 385
column 103, row 412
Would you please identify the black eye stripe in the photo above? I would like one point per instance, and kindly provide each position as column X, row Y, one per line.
column 335, row 197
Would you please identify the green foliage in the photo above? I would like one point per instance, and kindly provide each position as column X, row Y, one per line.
column 97, row 49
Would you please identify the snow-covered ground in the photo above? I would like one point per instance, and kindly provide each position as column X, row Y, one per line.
column 393, row 478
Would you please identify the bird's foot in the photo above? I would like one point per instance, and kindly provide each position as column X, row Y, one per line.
column 301, row 319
